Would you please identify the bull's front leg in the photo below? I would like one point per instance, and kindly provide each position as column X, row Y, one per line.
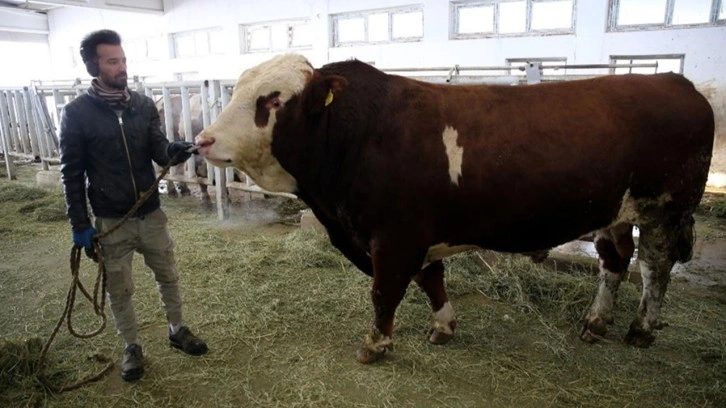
column 431, row 281
column 392, row 272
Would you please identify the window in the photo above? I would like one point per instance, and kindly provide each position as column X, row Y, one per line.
column 517, row 63
column 198, row 43
column 144, row 49
column 665, row 63
column 276, row 36
column 378, row 26
column 487, row 18
column 639, row 14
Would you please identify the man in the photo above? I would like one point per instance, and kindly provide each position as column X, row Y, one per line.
column 109, row 136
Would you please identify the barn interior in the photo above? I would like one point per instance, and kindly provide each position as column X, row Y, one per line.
column 281, row 308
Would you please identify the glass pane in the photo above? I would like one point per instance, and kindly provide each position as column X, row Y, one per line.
column 216, row 42
column 201, row 42
column 641, row 12
column 351, row 30
column 155, row 48
column 184, row 45
column 476, row 20
column 670, row 65
column 302, row 35
column 551, row 15
column 258, row 38
column 722, row 12
column 280, row 36
column 512, row 17
column 407, row 25
column 691, row 12
column 378, row 27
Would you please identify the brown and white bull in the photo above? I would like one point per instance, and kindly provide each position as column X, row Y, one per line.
column 403, row 173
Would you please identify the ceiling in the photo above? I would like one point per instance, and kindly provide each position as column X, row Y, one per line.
column 26, row 5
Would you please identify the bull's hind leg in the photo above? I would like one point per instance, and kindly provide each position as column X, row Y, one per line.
column 431, row 281
column 659, row 248
column 614, row 247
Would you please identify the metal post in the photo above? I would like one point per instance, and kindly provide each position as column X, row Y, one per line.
column 189, row 170
column 206, row 121
column 220, row 188
column 14, row 136
column 5, row 136
column 33, row 134
column 225, row 101
column 23, row 123
column 168, row 119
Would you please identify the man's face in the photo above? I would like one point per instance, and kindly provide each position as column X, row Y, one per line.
column 112, row 65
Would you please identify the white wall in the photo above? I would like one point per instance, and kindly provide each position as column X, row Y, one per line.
column 704, row 48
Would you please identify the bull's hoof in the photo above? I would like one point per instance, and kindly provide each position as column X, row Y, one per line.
column 440, row 338
column 637, row 337
column 367, row 356
column 593, row 330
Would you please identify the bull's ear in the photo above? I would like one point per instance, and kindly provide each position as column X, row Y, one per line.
column 321, row 92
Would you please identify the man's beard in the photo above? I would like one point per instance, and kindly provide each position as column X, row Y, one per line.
column 120, row 81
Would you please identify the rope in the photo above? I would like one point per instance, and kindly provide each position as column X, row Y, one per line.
column 98, row 308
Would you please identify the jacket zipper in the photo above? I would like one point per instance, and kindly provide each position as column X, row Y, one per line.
column 128, row 155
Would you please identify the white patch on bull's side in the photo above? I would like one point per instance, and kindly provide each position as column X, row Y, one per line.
column 238, row 141
column 443, row 250
column 454, row 153
column 443, row 318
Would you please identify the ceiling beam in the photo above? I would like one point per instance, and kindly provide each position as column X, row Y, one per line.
column 138, row 6
column 22, row 21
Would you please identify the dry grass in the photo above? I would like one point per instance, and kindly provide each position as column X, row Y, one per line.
column 283, row 313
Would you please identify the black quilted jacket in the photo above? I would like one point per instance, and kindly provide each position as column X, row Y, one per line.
column 113, row 152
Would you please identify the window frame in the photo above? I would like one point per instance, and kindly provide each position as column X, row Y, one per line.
column 335, row 20
column 192, row 33
column 456, row 5
column 614, row 10
column 245, row 29
column 634, row 58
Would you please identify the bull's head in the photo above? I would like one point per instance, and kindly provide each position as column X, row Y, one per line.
column 241, row 136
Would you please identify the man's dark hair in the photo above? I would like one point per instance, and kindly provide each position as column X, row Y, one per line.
column 89, row 44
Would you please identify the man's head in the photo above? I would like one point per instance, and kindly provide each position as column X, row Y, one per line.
column 104, row 58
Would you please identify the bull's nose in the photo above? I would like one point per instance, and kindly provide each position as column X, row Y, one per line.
column 202, row 141
column 204, row 144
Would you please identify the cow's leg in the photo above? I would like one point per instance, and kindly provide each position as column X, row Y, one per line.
column 392, row 272
column 658, row 250
column 431, row 281
column 614, row 247
column 171, row 189
column 206, row 201
column 184, row 189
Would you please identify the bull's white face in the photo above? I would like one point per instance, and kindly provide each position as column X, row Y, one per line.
column 241, row 136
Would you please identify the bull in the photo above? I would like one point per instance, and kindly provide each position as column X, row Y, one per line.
column 404, row 173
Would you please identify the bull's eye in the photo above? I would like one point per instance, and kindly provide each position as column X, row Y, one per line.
column 276, row 103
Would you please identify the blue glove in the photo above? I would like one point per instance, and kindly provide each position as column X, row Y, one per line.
column 178, row 151
column 84, row 238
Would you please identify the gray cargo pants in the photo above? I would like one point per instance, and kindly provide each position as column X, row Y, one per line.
column 147, row 235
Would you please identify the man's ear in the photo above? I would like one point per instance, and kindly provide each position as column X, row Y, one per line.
column 321, row 92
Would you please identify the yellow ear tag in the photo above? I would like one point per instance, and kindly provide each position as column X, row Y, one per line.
column 329, row 97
